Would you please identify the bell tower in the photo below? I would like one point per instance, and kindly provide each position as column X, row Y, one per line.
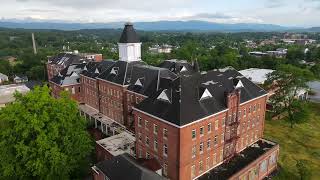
column 129, row 44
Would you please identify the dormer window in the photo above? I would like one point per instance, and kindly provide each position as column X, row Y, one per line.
column 206, row 94
column 114, row 70
column 164, row 96
column 85, row 68
column 139, row 82
column 183, row 69
column 74, row 74
column 96, row 71
column 237, row 83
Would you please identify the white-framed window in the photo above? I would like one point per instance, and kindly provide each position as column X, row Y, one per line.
column 272, row 159
column 249, row 109
column 194, row 151
column 209, row 144
column 140, row 153
column 239, row 115
column 165, row 169
column 139, row 121
column 208, row 163
column 216, row 124
column 201, row 131
column 221, row 155
column 209, row 127
column 193, row 171
column 200, row 167
column 254, row 108
column 146, row 124
column 223, row 121
column 214, row 159
column 155, row 129
column 215, row 140
column 244, row 112
column 140, row 137
column 165, row 150
column 222, row 138
column 147, row 155
column 165, row 133
column 147, row 140
column 73, row 91
column 193, row 134
column 201, row 148
column 263, row 166
column 155, row 145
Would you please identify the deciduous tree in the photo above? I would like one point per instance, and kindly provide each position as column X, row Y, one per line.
column 42, row 137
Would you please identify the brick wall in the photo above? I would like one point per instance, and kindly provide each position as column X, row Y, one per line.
column 111, row 101
column 194, row 155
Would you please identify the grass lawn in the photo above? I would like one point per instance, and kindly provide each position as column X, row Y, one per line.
column 300, row 143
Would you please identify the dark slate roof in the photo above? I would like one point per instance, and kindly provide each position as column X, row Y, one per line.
column 94, row 69
column 124, row 71
column 66, row 59
column 184, row 93
column 176, row 66
column 129, row 35
column 69, row 75
column 123, row 167
column 149, row 77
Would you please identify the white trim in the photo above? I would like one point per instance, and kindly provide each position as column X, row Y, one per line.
column 93, row 168
column 136, row 93
column 204, row 118
column 88, row 77
column 253, row 99
column 167, row 122
column 65, row 85
column 111, row 82
column 208, row 170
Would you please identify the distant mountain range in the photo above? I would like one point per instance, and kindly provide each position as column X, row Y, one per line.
column 157, row 26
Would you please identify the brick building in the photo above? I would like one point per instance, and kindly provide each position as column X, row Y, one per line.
column 194, row 123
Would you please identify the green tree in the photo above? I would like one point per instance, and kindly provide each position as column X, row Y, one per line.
column 289, row 80
column 42, row 137
column 316, row 70
column 303, row 169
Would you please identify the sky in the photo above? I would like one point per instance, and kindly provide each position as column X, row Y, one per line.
column 299, row 13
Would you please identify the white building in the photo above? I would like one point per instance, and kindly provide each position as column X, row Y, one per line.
column 7, row 93
column 3, row 78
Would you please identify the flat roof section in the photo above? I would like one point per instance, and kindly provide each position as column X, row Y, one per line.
column 118, row 144
column 240, row 161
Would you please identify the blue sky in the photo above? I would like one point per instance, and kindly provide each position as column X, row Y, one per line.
column 283, row 12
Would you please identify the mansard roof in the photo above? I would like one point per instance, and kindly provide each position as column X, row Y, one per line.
column 92, row 67
column 120, row 72
column 150, row 78
column 186, row 105
column 69, row 75
column 129, row 34
column 66, row 59
column 178, row 66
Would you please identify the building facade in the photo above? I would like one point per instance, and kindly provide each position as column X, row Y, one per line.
column 192, row 122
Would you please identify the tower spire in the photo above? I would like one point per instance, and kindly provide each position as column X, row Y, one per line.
column 129, row 44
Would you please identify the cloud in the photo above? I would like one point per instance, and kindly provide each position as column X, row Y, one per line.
column 274, row 3
column 210, row 16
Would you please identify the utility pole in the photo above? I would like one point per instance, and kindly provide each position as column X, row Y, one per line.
column 34, row 44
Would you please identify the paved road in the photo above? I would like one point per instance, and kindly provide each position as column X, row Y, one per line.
column 315, row 86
